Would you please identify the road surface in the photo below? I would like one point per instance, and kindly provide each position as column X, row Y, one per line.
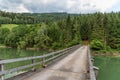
column 72, row 67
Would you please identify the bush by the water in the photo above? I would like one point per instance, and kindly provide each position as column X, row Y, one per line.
column 97, row 45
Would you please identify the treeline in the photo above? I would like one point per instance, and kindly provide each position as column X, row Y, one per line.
column 30, row 18
column 102, row 31
column 105, row 30
column 54, row 35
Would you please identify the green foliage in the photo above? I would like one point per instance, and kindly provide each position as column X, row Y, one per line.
column 41, row 39
column 56, row 30
column 56, row 45
column 114, row 36
column 97, row 45
column 22, row 45
column 108, row 48
column 9, row 26
column 15, row 36
column 3, row 33
column 30, row 18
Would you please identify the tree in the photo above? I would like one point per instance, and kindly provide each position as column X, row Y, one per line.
column 15, row 36
column 85, row 30
column 3, row 34
column 41, row 39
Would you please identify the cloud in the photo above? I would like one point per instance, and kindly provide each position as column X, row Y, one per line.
column 13, row 6
column 45, row 6
column 71, row 6
column 21, row 8
column 104, row 5
column 92, row 5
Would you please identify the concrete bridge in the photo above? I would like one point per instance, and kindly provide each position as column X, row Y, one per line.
column 74, row 63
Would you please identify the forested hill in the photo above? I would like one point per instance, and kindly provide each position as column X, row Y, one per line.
column 31, row 18
column 60, row 30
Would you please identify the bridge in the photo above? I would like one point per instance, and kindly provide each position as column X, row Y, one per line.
column 74, row 63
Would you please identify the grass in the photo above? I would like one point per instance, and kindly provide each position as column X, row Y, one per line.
column 112, row 52
column 9, row 26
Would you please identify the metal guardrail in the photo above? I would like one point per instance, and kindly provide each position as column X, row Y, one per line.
column 51, row 56
column 92, row 73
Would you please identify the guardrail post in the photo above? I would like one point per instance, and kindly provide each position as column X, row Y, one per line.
column 33, row 61
column 43, row 62
column 53, row 58
column 1, row 69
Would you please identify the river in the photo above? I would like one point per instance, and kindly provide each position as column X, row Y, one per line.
column 109, row 67
column 9, row 53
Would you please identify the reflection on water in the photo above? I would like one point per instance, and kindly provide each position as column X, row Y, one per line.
column 13, row 74
column 109, row 68
column 8, row 53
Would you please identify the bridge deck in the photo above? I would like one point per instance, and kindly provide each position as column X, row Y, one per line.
column 72, row 67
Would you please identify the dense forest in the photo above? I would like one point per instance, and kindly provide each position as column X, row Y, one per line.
column 60, row 30
column 30, row 18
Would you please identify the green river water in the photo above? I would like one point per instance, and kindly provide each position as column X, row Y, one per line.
column 109, row 68
column 8, row 53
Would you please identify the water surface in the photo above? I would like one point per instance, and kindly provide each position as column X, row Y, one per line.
column 8, row 53
column 109, row 68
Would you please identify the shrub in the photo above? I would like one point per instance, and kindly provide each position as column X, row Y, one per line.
column 56, row 45
column 97, row 45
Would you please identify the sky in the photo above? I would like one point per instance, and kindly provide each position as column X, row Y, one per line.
column 69, row 6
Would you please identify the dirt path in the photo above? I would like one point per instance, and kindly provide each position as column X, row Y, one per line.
column 72, row 67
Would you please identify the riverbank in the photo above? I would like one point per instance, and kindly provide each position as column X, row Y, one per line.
column 113, row 54
column 31, row 49
column 4, row 47
column 34, row 49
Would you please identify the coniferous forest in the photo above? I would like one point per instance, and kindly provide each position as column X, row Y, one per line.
column 60, row 30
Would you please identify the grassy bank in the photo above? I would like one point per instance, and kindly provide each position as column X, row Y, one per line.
column 9, row 26
column 112, row 52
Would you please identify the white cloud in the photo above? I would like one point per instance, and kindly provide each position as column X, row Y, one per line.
column 91, row 5
column 70, row 3
column 104, row 5
column 21, row 8
column 71, row 6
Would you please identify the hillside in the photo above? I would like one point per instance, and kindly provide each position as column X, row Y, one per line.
column 60, row 30
column 31, row 18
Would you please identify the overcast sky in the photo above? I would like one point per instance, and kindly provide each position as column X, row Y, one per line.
column 70, row 6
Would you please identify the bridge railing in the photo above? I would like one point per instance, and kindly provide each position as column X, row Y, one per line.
column 45, row 58
column 92, row 74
